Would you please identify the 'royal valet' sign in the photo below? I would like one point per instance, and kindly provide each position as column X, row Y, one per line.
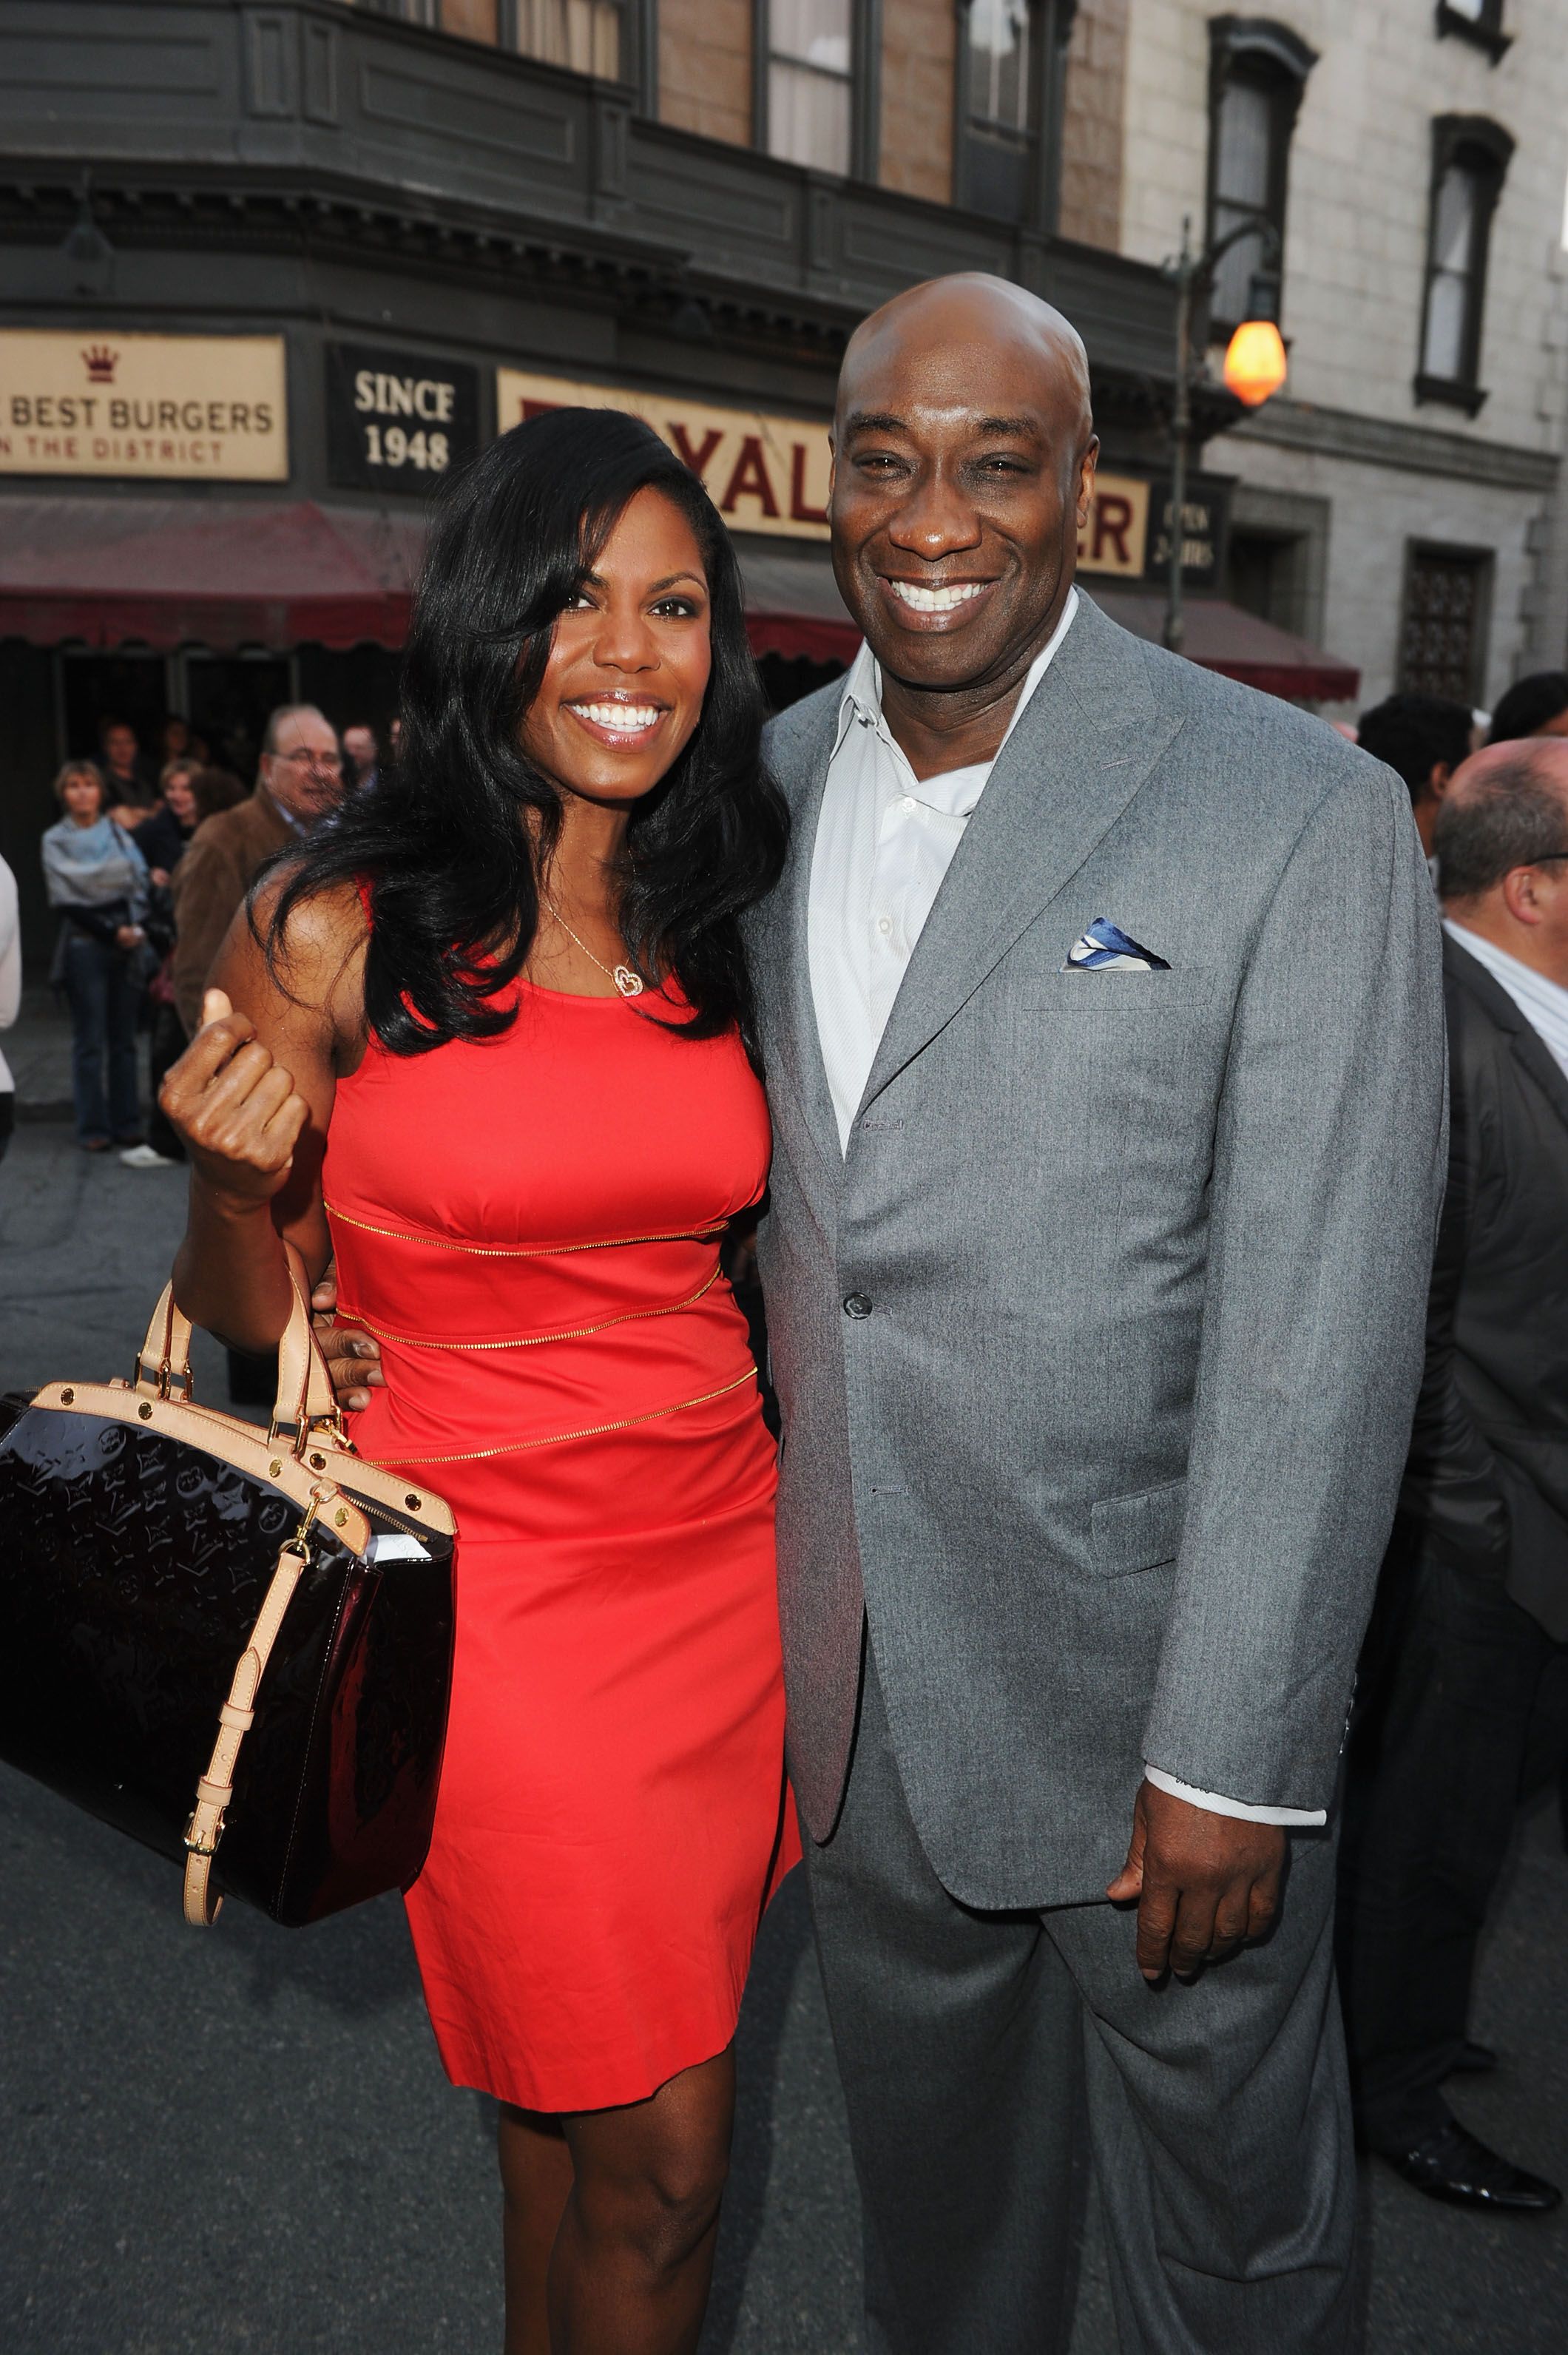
column 764, row 472
column 771, row 474
column 169, row 408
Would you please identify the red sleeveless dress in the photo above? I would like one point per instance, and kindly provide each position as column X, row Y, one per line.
column 530, row 1228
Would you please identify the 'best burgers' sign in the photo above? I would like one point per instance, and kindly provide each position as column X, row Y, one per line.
column 170, row 408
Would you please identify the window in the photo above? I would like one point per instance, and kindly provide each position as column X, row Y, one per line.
column 584, row 35
column 809, row 82
column 995, row 77
column 1481, row 21
column 1258, row 70
column 1442, row 645
column 1469, row 158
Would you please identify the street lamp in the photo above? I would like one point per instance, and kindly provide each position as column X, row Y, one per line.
column 1254, row 371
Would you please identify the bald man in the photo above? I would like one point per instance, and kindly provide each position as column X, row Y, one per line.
column 1102, row 1015
column 1477, row 1588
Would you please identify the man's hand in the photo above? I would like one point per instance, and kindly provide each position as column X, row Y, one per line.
column 353, row 1359
column 1205, row 1884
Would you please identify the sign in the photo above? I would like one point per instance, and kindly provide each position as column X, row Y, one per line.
column 764, row 472
column 165, row 408
column 397, row 421
column 1116, row 538
column 1205, row 515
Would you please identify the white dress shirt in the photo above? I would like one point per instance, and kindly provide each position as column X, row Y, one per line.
column 1543, row 1003
column 885, row 839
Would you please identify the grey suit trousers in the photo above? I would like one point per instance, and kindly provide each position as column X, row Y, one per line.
column 970, row 2045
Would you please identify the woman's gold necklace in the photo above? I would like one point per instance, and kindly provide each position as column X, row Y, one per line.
column 627, row 982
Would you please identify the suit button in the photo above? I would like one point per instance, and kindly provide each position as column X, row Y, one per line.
column 856, row 1306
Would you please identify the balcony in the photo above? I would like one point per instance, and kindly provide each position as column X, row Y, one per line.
column 309, row 120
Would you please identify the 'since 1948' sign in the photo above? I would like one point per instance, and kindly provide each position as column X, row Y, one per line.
column 397, row 421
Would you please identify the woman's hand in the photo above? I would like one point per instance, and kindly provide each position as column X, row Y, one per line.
column 235, row 1107
column 128, row 936
column 353, row 1359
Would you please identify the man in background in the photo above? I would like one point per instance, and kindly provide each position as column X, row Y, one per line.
column 1474, row 1636
column 129, row 788
column 299, row 782
column 299, row 779
column 1423, row 739
column 361, row 757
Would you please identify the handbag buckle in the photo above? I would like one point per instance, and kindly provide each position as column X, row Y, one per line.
column 208, row 1847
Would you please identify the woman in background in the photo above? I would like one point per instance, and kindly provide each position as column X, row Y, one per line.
column 99, row 884
column 162, row 840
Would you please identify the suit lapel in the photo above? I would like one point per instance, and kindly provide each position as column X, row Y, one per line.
column 798, row 1043
column 1087, row 739
column 1530, row 1049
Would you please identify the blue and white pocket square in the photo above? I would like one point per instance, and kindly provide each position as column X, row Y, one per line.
column 1104, row 947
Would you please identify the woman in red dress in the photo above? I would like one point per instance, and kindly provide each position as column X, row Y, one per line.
column 486, row 1040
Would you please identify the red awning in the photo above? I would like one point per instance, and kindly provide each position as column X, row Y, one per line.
column 793, row 605
column 219, row 573
column 1221, row 638
column 230, row 573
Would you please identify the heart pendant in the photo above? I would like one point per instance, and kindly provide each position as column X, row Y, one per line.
column 628, row 983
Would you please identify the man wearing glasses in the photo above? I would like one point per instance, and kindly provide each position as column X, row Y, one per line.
column 1474, row 1614
column 299, row 782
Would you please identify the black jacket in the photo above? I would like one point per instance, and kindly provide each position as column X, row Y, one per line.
column 1489, row 1469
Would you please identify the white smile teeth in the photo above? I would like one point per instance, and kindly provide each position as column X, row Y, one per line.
column 936, row 601
column 625, row 719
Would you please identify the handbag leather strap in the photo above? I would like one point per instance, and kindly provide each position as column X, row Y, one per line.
column 215, row 1789
column 305, row 1393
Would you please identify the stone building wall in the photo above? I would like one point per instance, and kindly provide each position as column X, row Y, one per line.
column 1354, row 257
column 919, row 43
column 704, row 67
column 1093, row 128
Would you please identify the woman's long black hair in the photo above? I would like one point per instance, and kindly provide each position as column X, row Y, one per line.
column 441, row 842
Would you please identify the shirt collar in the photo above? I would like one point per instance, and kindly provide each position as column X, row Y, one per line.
column 862, row 697
column 1521, row 979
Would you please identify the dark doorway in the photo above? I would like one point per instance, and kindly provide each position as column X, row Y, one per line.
column 357, row 687
column 786, row 678
column 229, row 698
column 125, row 686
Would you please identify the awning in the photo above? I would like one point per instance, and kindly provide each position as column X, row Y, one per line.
column 219, row 573
column 793, row 605
column 1222, row 638
column 227, row 573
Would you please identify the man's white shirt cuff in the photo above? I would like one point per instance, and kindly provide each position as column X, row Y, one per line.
column 1218, row 1806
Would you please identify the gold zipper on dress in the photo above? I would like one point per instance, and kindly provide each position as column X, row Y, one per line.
column 531, row 1340
column 560, row 1438
column 518, row 1251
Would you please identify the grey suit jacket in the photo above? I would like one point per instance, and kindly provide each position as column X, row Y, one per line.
column 1111, row 1462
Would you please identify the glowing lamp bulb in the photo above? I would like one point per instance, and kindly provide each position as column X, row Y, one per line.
column 1255, row 365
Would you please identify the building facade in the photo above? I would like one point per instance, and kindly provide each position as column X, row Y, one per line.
column 269, row 267
column 1402, row 501
column 266, row 271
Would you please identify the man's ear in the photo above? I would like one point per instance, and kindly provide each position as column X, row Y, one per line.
column 1086, row 465
column 1439, row 778
column 1521, row 895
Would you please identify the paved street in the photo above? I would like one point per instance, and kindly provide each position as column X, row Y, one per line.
column 243, row 2140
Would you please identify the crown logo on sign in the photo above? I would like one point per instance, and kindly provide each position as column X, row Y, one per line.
column 101, row 363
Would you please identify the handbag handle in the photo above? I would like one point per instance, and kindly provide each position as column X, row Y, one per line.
column 304, row 1395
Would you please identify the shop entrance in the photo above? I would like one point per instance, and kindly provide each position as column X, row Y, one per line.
column 228, row 699
column 124, row 686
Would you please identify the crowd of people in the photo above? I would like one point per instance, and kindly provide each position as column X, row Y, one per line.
column 145, row 867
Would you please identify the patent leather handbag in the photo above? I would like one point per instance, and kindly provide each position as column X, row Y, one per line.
column 234, row 1644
